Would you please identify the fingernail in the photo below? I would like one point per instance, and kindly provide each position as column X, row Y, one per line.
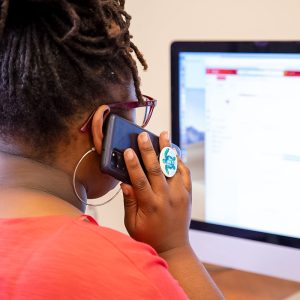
column 125, row 191
column 144, row 137
column 129, row 154
column 166, row 135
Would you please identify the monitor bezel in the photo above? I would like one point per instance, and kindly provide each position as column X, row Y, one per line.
column 274, row 47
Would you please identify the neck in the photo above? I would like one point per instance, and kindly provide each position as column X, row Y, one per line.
column 28, row 188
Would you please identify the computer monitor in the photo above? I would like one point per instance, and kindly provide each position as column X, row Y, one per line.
column 236, row 117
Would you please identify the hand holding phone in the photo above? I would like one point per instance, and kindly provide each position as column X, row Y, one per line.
column 157, row 209
column 121, row 134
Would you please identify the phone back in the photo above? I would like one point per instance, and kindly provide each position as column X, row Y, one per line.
column 121, row 134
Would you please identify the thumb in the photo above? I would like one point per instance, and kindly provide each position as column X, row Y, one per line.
column 130, row 206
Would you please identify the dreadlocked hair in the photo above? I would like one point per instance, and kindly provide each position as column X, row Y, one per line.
column 56, row 58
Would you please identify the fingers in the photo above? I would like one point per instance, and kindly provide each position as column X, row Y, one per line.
column 155, row 182
column 164, row 140
column 140, row 183
column 151, row 163
column 130, row 206
column 130, row 203
column 185, row 174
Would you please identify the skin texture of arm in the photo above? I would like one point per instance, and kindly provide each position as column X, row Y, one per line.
column 157, row 212
column 191, row 274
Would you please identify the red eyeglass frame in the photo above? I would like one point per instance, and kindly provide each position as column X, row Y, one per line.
column 148, row 102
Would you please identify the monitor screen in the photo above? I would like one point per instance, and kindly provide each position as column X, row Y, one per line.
column 236, row 117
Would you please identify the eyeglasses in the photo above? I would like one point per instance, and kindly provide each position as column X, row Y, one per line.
column 143, row 115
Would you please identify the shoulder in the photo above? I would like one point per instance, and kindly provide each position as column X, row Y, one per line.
column 105, row 245
column 85, row 258
column 85, row 233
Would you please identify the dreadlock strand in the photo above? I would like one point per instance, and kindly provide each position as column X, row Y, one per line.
column 123, row 19
column 139, row 55
column 27, row 56
column 89, row 39
column 75, row 19
column 81, row 43
column 100, row 10
column 70, row 46
column 52, row 68
column 132, row 66
column 39, row 60
column 11, row 65
column 5, row 60
column 104, row 53
column 3, row 15
column 20, row 62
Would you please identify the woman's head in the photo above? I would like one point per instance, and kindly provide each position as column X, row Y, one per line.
column 59, row 60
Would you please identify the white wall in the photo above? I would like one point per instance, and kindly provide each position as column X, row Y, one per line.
column 156, row 23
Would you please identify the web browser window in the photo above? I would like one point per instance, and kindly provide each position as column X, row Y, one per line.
column 240, row 136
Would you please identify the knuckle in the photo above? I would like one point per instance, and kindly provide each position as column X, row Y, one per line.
column 175, row 201
column 128, row 203
column 178, row 171
column 140, row 184
column 154, row 170
column 150, row 209
column 134, row 165
column 186, row 169
column 147, row 148
column 182, row 199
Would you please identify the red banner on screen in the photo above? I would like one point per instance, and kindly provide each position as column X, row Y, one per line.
column 221, row 71
column 292, row 73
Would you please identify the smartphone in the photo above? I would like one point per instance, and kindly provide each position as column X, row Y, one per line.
column 120, row 134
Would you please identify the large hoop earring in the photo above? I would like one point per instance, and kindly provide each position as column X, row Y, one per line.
column 74, row 183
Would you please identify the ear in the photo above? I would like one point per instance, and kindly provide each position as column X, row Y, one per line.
column 97, row 126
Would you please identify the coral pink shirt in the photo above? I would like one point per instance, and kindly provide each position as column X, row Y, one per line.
column 63, row 257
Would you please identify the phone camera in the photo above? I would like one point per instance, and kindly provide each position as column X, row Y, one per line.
column 117, row 160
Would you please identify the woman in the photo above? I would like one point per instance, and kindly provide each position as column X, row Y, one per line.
column 63, row 64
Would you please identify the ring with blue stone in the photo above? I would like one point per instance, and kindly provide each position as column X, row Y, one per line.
column 168, row 161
